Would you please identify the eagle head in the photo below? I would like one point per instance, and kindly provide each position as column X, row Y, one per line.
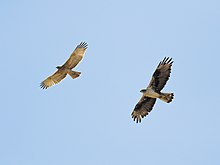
column 58, row 67
column 143, row 90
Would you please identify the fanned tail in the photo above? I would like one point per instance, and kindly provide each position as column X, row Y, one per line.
column 74, row 74
column 166, row 97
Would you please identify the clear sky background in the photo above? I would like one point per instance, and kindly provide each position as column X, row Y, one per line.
column 87, row 121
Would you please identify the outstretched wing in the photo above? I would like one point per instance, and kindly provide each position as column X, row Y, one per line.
column 142, row 108
column 161, row 74
column 76, row 56
column 53, row 79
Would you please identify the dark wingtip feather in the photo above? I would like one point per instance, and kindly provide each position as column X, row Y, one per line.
column 43, row 86
column 139, row 120
column 169, row 60
column 83, row 45
column 166, row 60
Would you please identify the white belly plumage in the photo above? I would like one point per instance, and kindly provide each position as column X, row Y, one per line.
column 150, row 93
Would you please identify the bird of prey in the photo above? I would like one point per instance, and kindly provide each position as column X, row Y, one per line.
column 67, row 67
column 153, row 90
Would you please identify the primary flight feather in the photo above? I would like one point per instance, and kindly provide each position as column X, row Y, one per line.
column 67, row 67
column 153, row 90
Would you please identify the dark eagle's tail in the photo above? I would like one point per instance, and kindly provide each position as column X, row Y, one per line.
column 166, row 97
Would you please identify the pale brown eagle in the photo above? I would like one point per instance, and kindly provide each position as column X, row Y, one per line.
column 153, row 91
column 67, row 67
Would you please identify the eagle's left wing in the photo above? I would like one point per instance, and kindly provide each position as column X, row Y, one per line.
column 161, row 74
column 142, row 108
column 53, row 79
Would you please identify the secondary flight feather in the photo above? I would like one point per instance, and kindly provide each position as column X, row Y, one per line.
column 153, row 90
column 67, row 67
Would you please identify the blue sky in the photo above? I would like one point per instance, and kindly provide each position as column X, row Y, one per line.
column 87, row 120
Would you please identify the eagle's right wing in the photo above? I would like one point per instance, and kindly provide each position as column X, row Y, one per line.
column 161, row 74
column 53, row 79
column 142, row 108
column 76, row 56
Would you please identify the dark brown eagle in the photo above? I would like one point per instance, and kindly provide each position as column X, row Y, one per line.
column 153, row 91
column 67, row 67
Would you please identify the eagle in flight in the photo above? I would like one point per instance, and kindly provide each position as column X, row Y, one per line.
column 153, row 91
column 67, row 67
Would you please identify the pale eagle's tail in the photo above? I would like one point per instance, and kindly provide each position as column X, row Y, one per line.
column 166, row 97
column 74, row 74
